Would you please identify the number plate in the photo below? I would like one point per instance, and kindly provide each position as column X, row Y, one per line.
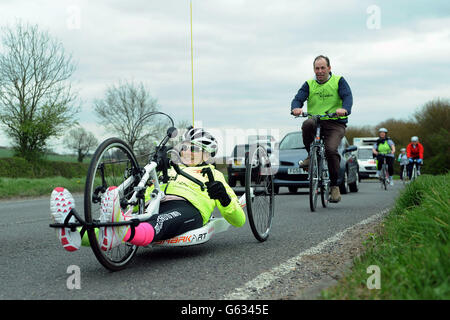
column 237, row 162
column 295, row 171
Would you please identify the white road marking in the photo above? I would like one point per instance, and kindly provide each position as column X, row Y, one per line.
column 253, row 287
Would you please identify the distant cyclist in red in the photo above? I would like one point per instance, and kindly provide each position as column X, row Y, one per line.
column 414, row 151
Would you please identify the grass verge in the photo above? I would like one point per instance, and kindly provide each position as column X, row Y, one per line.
column 411, row 249
column 24, row 187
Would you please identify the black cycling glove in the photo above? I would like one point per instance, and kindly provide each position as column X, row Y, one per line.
column 216, row 190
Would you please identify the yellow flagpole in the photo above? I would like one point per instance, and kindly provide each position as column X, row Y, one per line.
column 192, row 67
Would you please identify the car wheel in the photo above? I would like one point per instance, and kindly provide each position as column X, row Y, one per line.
column 344, row 188
column 231, row 181
column 354, row 187
column 292, row 189
column 276, row 189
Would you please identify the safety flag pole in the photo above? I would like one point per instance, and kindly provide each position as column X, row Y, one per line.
column 192, row 66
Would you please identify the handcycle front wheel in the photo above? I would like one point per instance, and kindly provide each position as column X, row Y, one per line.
column 259, row 192
column 113, row 163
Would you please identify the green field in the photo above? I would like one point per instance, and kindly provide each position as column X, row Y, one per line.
column 8, row 153
column 24, row 187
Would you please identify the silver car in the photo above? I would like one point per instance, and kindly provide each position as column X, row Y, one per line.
column 288, row 173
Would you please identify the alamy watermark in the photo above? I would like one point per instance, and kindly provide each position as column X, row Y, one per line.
column 374, row 281
column 74, row 280
column 373, row 21
column 73, row 21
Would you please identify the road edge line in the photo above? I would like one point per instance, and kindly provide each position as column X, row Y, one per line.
column 253, row 287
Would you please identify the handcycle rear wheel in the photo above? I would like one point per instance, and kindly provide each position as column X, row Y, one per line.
column 113, row 163
column 259, row 192
column 313, row 180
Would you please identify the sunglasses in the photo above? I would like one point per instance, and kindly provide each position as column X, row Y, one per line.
column 191, row 148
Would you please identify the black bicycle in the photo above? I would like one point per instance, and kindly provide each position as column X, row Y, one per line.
column 384, row 173
column 318, row 173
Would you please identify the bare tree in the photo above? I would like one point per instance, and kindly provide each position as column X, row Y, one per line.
column 147, row 146
column 122, row 107
column 80, row 141
column 36, row 98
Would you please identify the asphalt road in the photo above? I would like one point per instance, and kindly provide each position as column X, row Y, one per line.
column 33, row 264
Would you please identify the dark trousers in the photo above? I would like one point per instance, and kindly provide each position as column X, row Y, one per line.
column 402, row 167
column 175, row 217
column 389, row 162
column 332, row 133
column 410, row 168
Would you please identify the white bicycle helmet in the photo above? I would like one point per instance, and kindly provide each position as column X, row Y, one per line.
column 414, row 139
column 382, row 130
column 202, row 139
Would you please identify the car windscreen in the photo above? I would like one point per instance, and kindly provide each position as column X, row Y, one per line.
column 292, row 141
column 365, row 154
column 239, row 151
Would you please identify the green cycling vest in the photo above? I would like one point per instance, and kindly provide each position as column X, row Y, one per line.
column 324, row 98
column 185, row 188
column 384, row 148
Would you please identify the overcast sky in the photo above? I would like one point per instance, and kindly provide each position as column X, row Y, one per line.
column 250, row 56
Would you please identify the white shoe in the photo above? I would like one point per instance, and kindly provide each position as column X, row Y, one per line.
column 111, row 237
column 61, row 202
column 391, row 181
column 377, row 175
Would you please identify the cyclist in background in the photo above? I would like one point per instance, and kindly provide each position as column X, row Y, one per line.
column 403, row 160
column 326, row 93
column 385, row 147
column 414, row 151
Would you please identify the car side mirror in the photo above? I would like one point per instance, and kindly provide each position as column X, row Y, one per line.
column 351, row 149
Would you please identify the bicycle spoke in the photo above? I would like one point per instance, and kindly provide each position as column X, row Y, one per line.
column 259, row 182
column 112, row 164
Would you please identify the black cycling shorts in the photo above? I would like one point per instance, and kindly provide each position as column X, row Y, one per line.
column 175, row 217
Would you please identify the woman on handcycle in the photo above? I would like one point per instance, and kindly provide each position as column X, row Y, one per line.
column 384, row 148
column 185, row 207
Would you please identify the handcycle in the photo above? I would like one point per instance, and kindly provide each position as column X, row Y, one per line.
column 115, row 164
column 318, row 173
column 384, row 173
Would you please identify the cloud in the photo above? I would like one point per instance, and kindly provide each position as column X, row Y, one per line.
column 251, row 57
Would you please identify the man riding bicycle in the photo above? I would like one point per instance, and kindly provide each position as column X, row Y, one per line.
column 384, row 148
column 326, row 93
column 414, row 151
column 185, row 207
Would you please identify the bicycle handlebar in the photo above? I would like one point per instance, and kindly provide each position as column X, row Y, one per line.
column 305, row 114
column 205, row 171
